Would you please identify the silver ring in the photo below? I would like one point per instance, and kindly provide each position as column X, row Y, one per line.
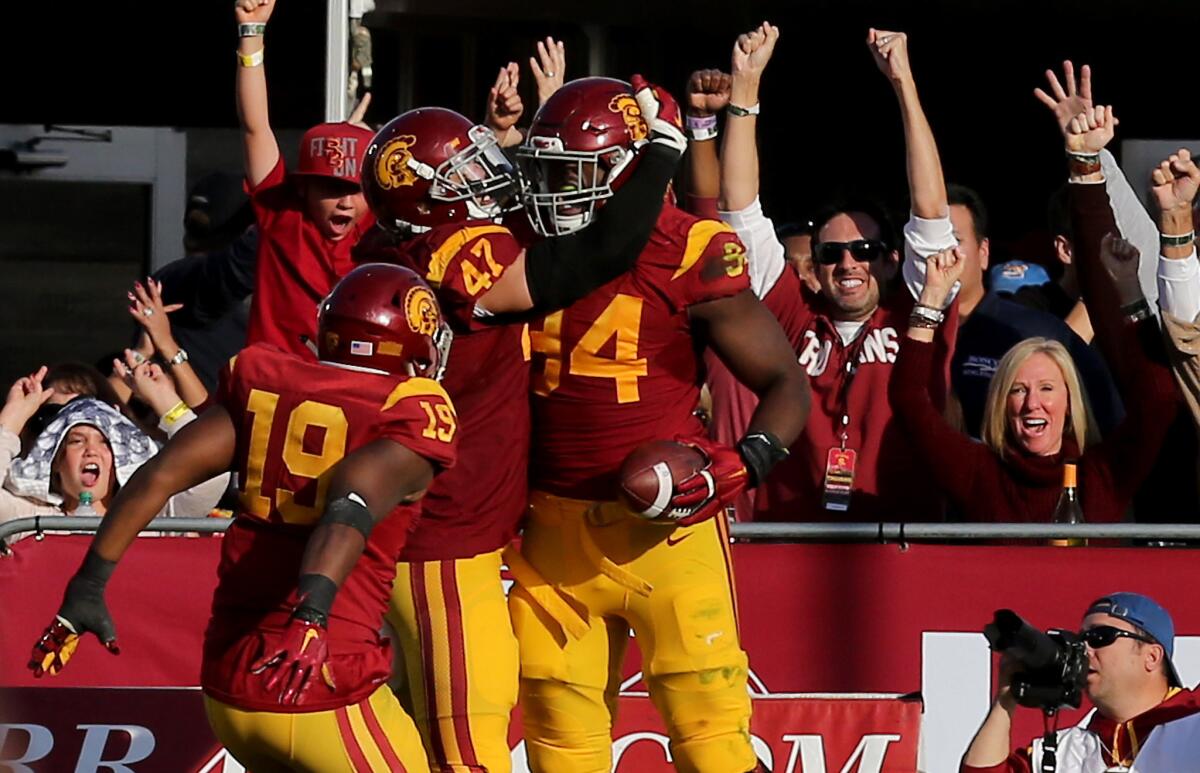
column 147, row 312
column 549, row 73
column 138, row 357
column 886, row 39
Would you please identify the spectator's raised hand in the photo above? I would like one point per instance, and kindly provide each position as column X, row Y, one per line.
column 253, row 11
column 549, row 67
column 1091, row 130
column 942, row 270
column 24, row 398
column 148, row 382
column 1067, row 99
column 753, row 50
column 504, row 107
column 1120, row 259
column 147, row 309
column 890, row 51
column 707, row 92
column 1175, row 182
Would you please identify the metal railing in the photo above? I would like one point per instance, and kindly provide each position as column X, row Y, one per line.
column 755, row 532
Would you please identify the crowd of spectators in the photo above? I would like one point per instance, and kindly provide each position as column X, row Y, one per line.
column 949, row 383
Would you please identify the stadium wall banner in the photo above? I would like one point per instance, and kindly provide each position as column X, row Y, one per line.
column 91, row 729
column 815, row 618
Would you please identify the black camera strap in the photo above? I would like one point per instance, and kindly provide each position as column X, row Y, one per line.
column 1050, row 741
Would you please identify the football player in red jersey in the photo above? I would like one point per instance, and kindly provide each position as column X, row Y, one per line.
column 612, row 371
column 331, row 456
column 440, row 183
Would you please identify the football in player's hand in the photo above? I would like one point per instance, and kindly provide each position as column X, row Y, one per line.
column 649, row 474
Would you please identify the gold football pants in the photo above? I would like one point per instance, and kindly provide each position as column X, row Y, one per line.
column 459, row 672
column 371, row 736
column 586, row 573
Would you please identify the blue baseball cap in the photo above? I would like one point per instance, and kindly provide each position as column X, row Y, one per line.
column 1013, row 275
column 1145, row 613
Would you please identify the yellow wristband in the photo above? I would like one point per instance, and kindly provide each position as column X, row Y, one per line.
column 175, row 414
column 250, row 60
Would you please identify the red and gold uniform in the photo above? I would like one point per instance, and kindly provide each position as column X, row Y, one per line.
column 448, row 604
column 295, row 420
column 614, row 370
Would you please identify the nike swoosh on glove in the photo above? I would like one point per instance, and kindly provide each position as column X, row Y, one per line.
column 300, row 651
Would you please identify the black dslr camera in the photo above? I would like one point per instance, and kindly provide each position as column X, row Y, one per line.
column 1053, row 665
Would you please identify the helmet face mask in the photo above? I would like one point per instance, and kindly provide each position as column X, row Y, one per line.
column 582, row 145
column 563, row 188
column 480, row 175
column 432, row 166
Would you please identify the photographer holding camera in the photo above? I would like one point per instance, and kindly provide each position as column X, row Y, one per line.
column 1121, row 659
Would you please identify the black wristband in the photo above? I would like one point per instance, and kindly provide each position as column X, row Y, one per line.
column 761, row 451
column 1137, row 311
column 561, row 270
column 317, row 593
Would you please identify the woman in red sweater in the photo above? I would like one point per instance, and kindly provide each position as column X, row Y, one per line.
column 1036, row 417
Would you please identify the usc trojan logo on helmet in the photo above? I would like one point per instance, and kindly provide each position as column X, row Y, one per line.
column 392, row 168
column 627, row 106
column 421, row 310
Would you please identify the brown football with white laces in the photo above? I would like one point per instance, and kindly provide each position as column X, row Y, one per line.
column 649, row 474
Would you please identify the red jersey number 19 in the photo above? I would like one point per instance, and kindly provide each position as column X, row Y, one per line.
column 622, row 318
column 295, row 459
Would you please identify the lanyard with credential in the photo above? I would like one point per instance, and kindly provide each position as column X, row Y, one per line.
column 840, row 461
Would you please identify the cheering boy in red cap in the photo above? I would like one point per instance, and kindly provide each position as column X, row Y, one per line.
column 308, row 222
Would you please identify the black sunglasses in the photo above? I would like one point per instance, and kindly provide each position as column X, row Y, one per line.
column 862, row 250
column 1104, row 635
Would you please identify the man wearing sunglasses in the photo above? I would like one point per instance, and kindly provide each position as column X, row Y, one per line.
column 851, row 463
column 1144, row 720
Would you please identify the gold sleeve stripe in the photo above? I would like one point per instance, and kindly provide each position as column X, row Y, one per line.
column 415, row 387
column 232, row 363
column 452, row 246
column 699, row 235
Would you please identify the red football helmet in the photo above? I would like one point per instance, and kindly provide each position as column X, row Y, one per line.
column 385, row 318
column 581, row 145
column 431, row 166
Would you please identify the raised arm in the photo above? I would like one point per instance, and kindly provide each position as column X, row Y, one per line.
column 951, row 457
column 739, row 161
column 504, row 107
column 1175, row 182
column 707, row 95
column 928, row 230
column 259, row 148
column 926, row 187
column 739, row 149
column 549, row 67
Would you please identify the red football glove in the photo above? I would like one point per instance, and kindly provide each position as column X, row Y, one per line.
column 300, row 651
column 661, row 112
column 712, row 488
column 83, row 609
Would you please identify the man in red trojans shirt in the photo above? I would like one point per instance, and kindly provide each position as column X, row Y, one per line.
column 437, row 184
column 308, row 221
column 331, row 455
column 852, row 461
column 613, row 370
